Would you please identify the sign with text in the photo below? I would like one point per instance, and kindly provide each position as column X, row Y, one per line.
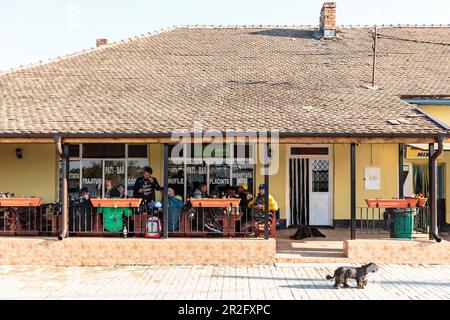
column 372, row 178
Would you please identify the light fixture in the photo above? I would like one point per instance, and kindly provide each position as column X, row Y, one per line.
column 19, row 153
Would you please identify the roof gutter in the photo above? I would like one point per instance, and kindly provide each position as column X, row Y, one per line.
column 434, row 157
column 64, row 192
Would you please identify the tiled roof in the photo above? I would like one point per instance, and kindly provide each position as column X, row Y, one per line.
column 245, row 78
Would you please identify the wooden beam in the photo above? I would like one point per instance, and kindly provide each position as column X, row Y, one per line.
column 26, row 140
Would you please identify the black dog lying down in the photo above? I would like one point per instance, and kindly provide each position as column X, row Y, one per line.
column 307, row 232
column 342, row 274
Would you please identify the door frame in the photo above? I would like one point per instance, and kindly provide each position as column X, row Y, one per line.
column 329, row 157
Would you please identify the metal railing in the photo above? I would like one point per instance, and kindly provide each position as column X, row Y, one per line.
column 86, row 220
column 142, row 221
column 218, row 222
column 43, row 220
column 400, row 222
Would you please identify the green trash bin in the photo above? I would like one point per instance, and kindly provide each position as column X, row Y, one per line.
column 401, row 222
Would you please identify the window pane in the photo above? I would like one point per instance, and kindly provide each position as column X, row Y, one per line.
column 320, row 175
column 74, row 179
column 98, row 150
column 309, row 151
column 114, row 175
column 219, row 179
column 196, row 174
column 74, row 151
column 243, row 173
column 134, row 171
column 243, row 151
column 92, row 177
column 137, row 151
column 176, row 178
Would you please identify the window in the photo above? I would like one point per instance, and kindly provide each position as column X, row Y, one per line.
column 320, row 175
column 298, row 151
column 218, row 174
column 102, row 166
column 97, row 150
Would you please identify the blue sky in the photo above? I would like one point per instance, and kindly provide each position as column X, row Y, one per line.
column 31, row 30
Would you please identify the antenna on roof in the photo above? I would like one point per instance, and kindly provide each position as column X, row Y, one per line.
column 374, row 48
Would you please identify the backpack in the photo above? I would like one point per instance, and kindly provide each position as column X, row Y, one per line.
column 153, row 228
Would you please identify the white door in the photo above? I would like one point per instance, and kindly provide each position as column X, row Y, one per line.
column 319, row 193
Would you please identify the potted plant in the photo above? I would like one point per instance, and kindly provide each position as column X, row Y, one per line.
column 422, row 201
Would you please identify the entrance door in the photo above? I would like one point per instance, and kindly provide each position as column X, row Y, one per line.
column 319, row 193
column 299, row 191
column 310, row 192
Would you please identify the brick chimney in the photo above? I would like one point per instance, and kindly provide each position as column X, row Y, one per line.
column 102, row 42
column 328, row 20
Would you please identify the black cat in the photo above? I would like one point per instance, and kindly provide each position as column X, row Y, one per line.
column 307, row 232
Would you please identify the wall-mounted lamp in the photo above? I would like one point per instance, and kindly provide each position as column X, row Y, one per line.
column 19, row 153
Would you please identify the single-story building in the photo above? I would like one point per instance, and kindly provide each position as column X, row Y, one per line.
column 348, row 105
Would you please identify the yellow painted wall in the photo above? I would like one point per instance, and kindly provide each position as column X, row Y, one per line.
column 447, row 185
column 277, row 182
column 441, row 113
column 383, row 156
column 34, row 175
column 156, row 162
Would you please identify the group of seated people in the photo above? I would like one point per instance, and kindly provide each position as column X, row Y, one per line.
column 145, row 188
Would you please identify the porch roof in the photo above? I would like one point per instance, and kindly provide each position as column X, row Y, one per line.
column 242, row 78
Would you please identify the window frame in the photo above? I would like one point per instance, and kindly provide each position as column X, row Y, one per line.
column 126, row 159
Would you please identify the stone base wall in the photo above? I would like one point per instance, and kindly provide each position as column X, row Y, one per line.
column 116, row 251
column 397, row 251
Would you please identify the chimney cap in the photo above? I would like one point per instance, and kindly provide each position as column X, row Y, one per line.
column 329, row 5
column 101, row 42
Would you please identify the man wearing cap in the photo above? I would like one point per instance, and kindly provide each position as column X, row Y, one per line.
column 244, row 195
column 257, row 204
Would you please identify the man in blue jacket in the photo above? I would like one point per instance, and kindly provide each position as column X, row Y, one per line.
column 176, row 204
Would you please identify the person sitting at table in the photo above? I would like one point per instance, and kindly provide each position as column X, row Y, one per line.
column 108, row 188
column 176, row 204
column 146, row 186
column 119, row 192
column 244, row 195
column 200, row 192
column 80, row 212
column 257, row 206
column 231, row 193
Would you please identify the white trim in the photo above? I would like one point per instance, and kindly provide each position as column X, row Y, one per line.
column 329, row 157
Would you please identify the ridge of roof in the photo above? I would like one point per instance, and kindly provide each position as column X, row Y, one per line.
column 207, row 26
column 299, row 26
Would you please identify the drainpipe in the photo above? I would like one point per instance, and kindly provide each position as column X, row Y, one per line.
column 64, row 196
column 434, row 228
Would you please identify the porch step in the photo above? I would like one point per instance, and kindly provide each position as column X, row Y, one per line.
column 311, row 258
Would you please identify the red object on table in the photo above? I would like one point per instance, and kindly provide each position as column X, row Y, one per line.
column 116, row 203
column 392, row 203
column 20, row 202
column 215, row 203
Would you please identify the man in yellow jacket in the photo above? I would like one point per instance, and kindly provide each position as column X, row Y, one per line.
column 257, row 204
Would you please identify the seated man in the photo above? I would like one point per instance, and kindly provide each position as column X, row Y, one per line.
column 80, row 212
column 176, row 204
column 257, row 206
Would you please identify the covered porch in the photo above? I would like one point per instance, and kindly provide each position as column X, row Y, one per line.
column 346, row 193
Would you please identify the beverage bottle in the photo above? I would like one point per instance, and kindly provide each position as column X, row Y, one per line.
column 125, row 232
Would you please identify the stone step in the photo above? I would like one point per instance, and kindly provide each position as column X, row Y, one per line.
column 311, row 258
